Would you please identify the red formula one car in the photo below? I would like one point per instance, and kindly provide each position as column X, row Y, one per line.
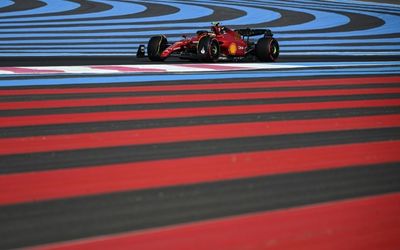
column 221, row 43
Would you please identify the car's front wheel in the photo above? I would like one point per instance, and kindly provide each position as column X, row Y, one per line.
column 208, row 49
column 156, row 45
column 267, row 49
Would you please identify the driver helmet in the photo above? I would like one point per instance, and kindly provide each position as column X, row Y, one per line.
column 215, row 28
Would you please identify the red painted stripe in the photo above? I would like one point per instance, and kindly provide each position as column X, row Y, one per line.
column 185, row 112
column 186, row 98
column 127, row 68
column 362, row 223
column 62, row 183
column 205, row 132
column 186, row 86
column 22, row 70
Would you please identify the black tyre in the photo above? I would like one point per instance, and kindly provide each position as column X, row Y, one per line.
column 208, row 49
column 200, row 32
column 156, row 45
column 267, row 49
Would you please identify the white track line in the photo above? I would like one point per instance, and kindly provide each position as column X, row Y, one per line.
column 145, row 68
column 180, row 68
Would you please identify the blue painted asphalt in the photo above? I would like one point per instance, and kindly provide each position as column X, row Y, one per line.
column 50, row 7
column 186, row 11
column 24, row 40
column 6, row 3
column 53, row 6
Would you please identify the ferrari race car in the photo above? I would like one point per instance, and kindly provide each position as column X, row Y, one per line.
column 221, row 43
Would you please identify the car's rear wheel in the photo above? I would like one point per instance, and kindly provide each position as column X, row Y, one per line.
column 267, row 49
column 208, row 49
column 201, row 32
column 156, row 45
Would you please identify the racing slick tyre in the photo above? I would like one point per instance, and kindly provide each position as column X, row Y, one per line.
column 267, row 49
column 156, row 45
column 208, row 49
column 200, row 32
